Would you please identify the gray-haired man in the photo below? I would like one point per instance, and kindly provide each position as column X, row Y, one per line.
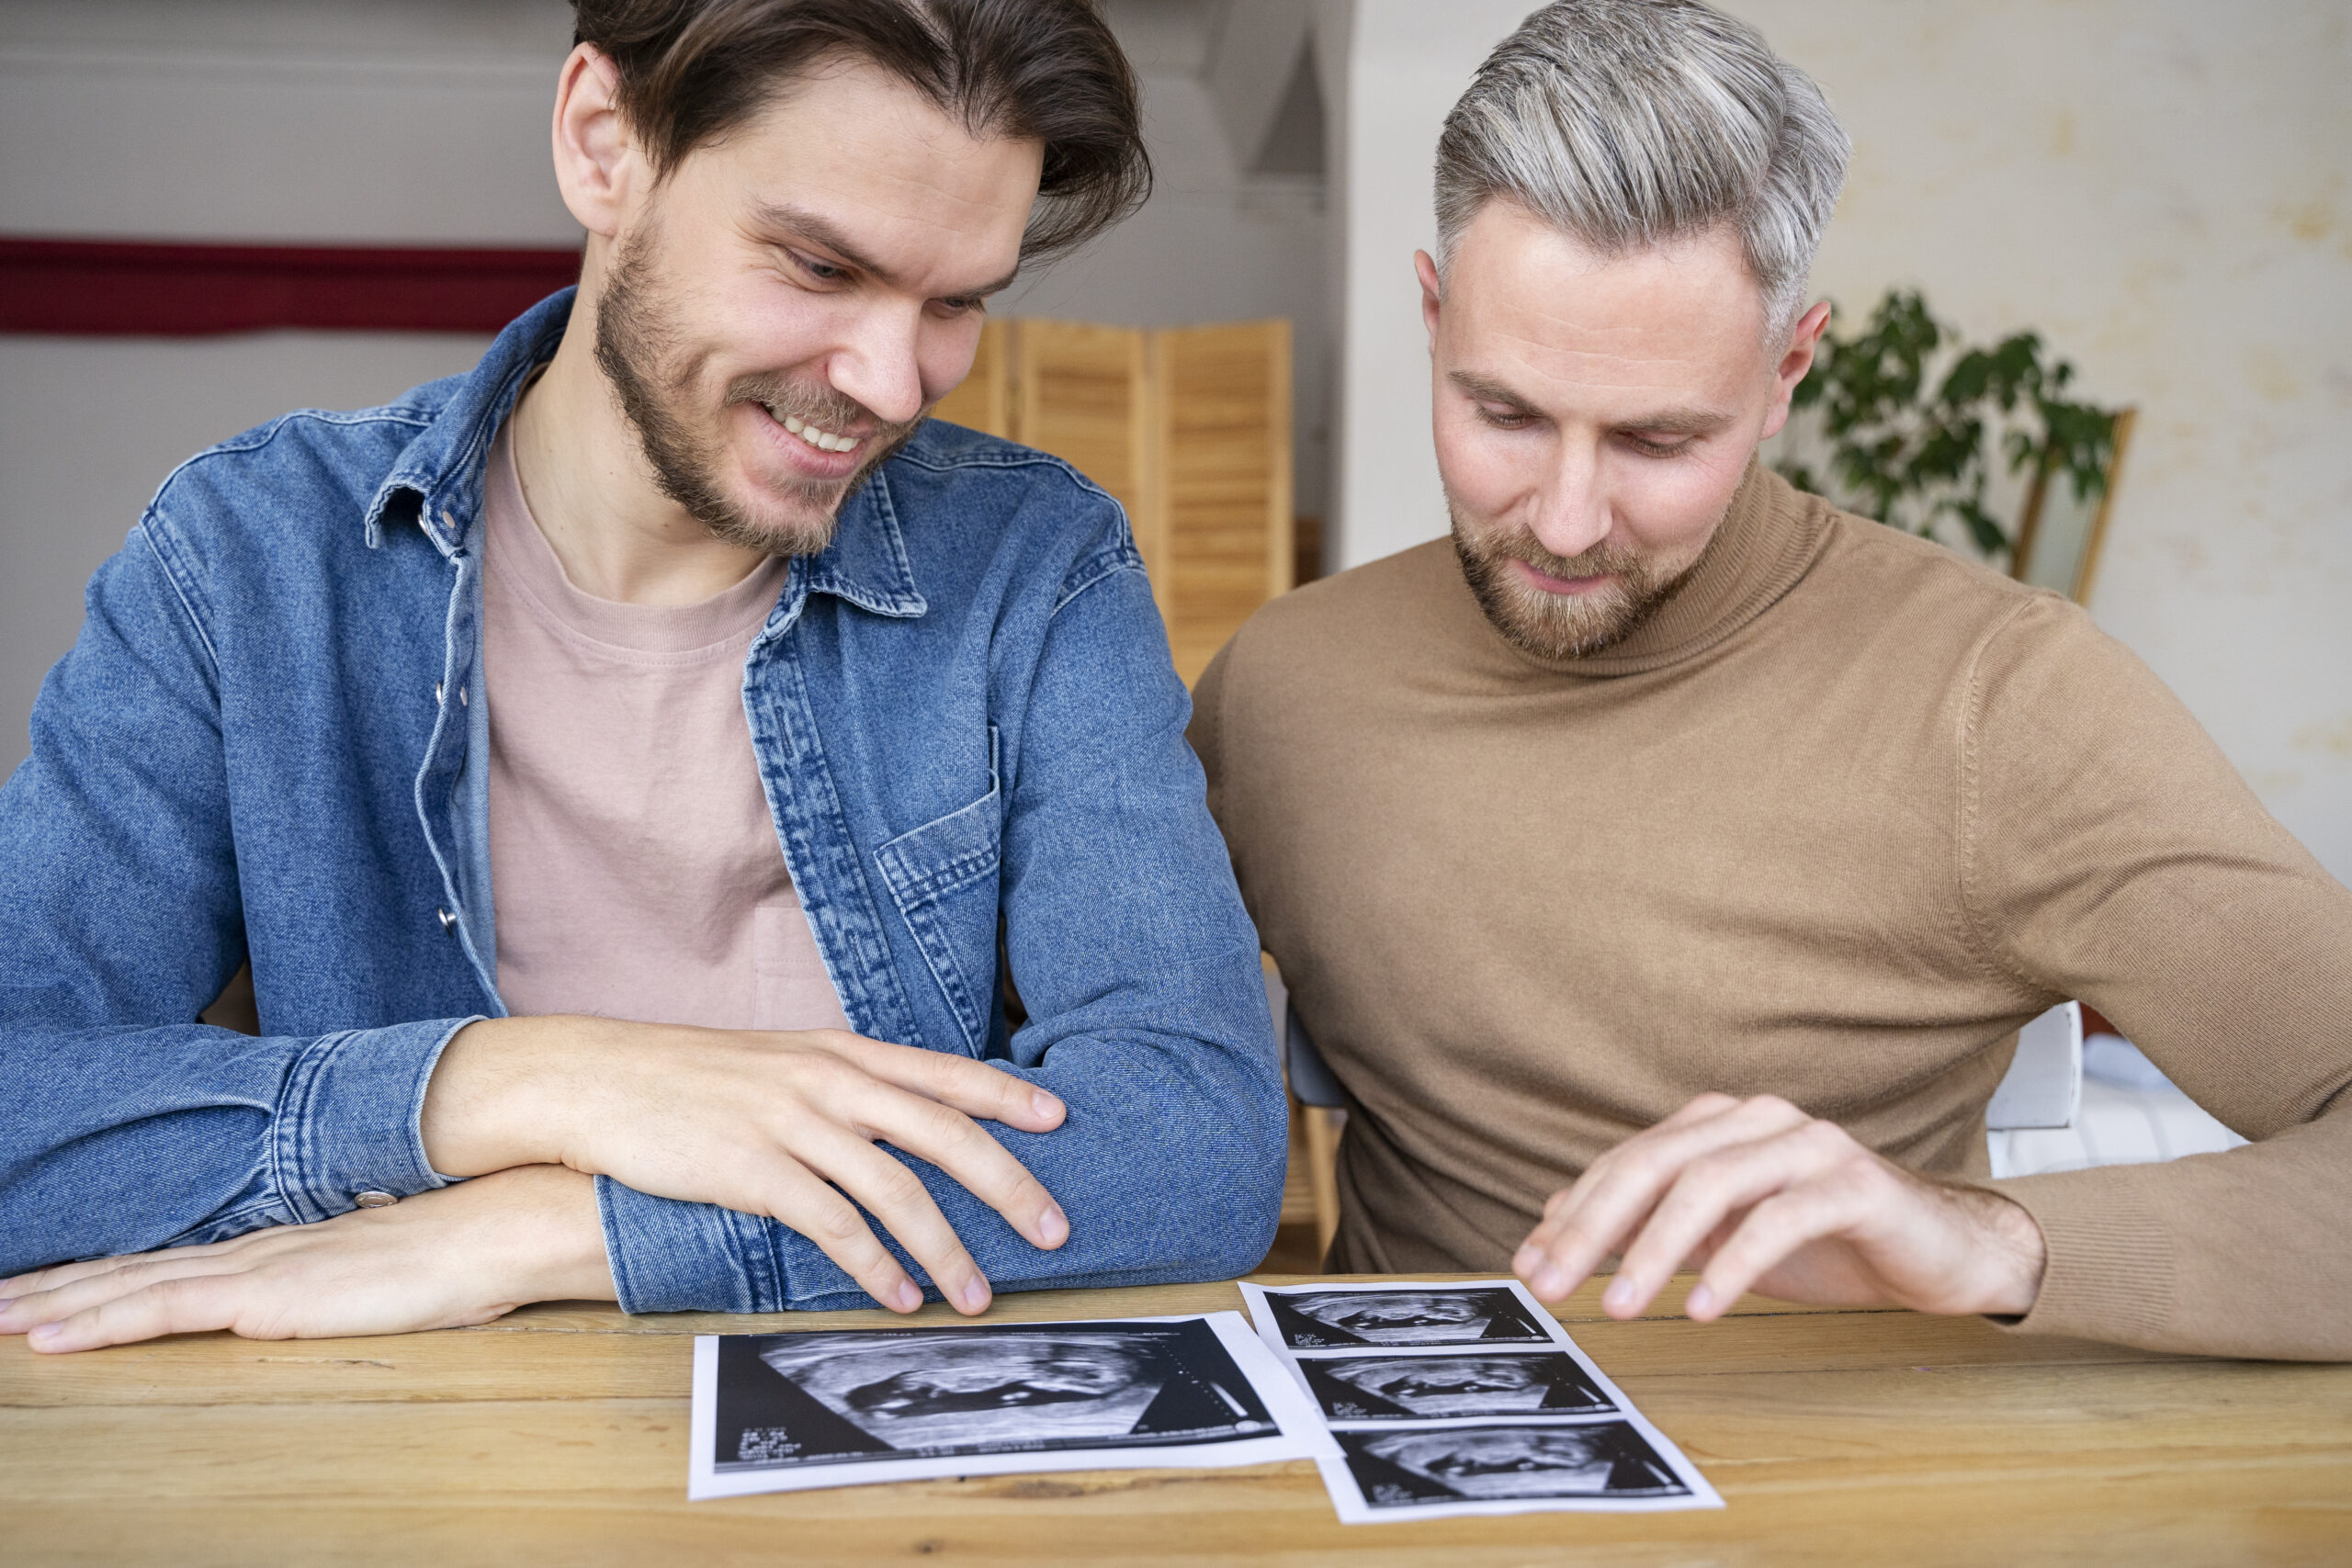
column 1663, row 780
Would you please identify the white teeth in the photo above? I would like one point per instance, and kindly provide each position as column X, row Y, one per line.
column 823, row 440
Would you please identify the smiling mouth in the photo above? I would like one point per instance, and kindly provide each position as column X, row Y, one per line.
column 1543, row 580
column 821, row 439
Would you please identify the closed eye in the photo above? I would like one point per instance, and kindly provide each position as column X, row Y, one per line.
column 1504, row 417
column 821, row 270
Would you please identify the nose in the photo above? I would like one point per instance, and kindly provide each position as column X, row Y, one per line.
column 1572, row 509
column 876, row 366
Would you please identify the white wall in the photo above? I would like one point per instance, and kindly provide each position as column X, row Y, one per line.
column 2163, row 186
column 89, row 428
column 414, row 122
column 425, row 122
column 1216, row 242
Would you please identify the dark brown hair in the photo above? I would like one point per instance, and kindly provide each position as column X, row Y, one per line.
column 1039, row 69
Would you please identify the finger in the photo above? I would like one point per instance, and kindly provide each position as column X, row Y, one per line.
column 186, row 1305
column 825, row 1217
column 1773, row 1230
column 895, row 1195
column 963, row 1149
column 95, row 1288
column 1709, row 1121
column 1706, row 1107
column 39, row 1279
column 1708, row 1192
column 1617, row 1193
column 975, row 1089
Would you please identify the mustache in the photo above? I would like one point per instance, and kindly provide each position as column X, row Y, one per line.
column 824, row 407
column 1601, row 561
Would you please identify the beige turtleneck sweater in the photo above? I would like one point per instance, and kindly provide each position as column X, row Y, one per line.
column 1836, row 823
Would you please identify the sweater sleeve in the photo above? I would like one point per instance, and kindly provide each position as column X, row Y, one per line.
column 2109, row 851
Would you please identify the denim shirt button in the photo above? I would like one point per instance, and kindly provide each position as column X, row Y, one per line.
column 448, row 920
column 372, row 1198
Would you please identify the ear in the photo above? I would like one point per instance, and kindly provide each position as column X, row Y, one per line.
column 1425, row 269
column 596, row 164
column 1796, row 361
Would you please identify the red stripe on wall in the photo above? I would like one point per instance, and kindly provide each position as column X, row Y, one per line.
column 106, row 287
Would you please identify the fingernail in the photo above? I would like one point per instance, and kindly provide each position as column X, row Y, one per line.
column 1619, row 1296
column 975, row 1294
column 1550, row 1281
column 908, row 1295
column 1052, row 1225
column 46, row 1332
column 1046, row 1104
column 1700, row 1301
column 1526, row 1260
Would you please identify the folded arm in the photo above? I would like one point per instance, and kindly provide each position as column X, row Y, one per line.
column 1148, row 1020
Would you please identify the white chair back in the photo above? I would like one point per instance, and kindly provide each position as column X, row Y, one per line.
column 2044, row 1085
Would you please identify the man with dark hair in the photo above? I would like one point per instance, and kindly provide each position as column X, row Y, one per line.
column 775, row 718
column 1666, row 862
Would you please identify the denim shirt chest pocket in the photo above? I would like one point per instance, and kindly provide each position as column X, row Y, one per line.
column 942, row 876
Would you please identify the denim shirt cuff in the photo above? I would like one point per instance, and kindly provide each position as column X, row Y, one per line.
column 668, row 1255
column 349, row 1120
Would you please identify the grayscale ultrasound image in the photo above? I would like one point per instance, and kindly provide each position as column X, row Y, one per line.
column 1416, row 1388
column 1500, row 1463
column 834, row 1397
column 1323, row 1320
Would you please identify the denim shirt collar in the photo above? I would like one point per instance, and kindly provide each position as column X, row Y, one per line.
column 438, row 477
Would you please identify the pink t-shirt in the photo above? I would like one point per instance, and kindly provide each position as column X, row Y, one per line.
column 633, row 861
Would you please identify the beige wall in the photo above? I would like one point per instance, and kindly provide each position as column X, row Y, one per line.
column 2163, row 186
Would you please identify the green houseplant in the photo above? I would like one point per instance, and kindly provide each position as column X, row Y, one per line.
column 1905, row 424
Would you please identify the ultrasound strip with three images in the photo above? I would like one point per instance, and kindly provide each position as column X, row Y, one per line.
column 1443, row 1399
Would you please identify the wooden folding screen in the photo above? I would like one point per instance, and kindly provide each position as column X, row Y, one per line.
column 1188, row 427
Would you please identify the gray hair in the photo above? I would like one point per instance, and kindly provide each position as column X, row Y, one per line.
column 1625, row 123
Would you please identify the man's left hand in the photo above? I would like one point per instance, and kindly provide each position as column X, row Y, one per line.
column 458, row 1255
column 1771, row 1199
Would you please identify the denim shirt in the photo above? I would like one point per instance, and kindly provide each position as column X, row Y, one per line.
column 270, row 745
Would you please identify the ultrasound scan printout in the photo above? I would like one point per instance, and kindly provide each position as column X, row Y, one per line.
column 781, row 1412
column 1451, row 1398
column 1393, row 1388
column 1473, row 1469
column 1324, row 1319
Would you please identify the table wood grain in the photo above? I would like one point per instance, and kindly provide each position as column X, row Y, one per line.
column 557, row 1435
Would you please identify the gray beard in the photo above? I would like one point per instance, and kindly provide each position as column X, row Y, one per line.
column 1558, row 626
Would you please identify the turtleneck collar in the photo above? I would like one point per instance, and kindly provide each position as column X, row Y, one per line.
column 1769, row 537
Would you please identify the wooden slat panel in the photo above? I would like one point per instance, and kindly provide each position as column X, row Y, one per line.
column 985, row 400
column 1224, row 438
column 1083, row 392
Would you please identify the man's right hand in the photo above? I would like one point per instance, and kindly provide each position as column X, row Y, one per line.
column 760, row 1123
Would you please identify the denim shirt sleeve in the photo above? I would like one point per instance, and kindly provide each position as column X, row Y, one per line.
column 1147, row 1011
column 128, row 1125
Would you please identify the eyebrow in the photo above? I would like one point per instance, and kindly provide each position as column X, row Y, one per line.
column 1665, row 421
column 799, row 222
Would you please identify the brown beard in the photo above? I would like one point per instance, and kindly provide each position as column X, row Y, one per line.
column 636, row 348
column 1561, row 625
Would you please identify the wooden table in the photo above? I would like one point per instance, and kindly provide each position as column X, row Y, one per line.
column 558, row 1436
